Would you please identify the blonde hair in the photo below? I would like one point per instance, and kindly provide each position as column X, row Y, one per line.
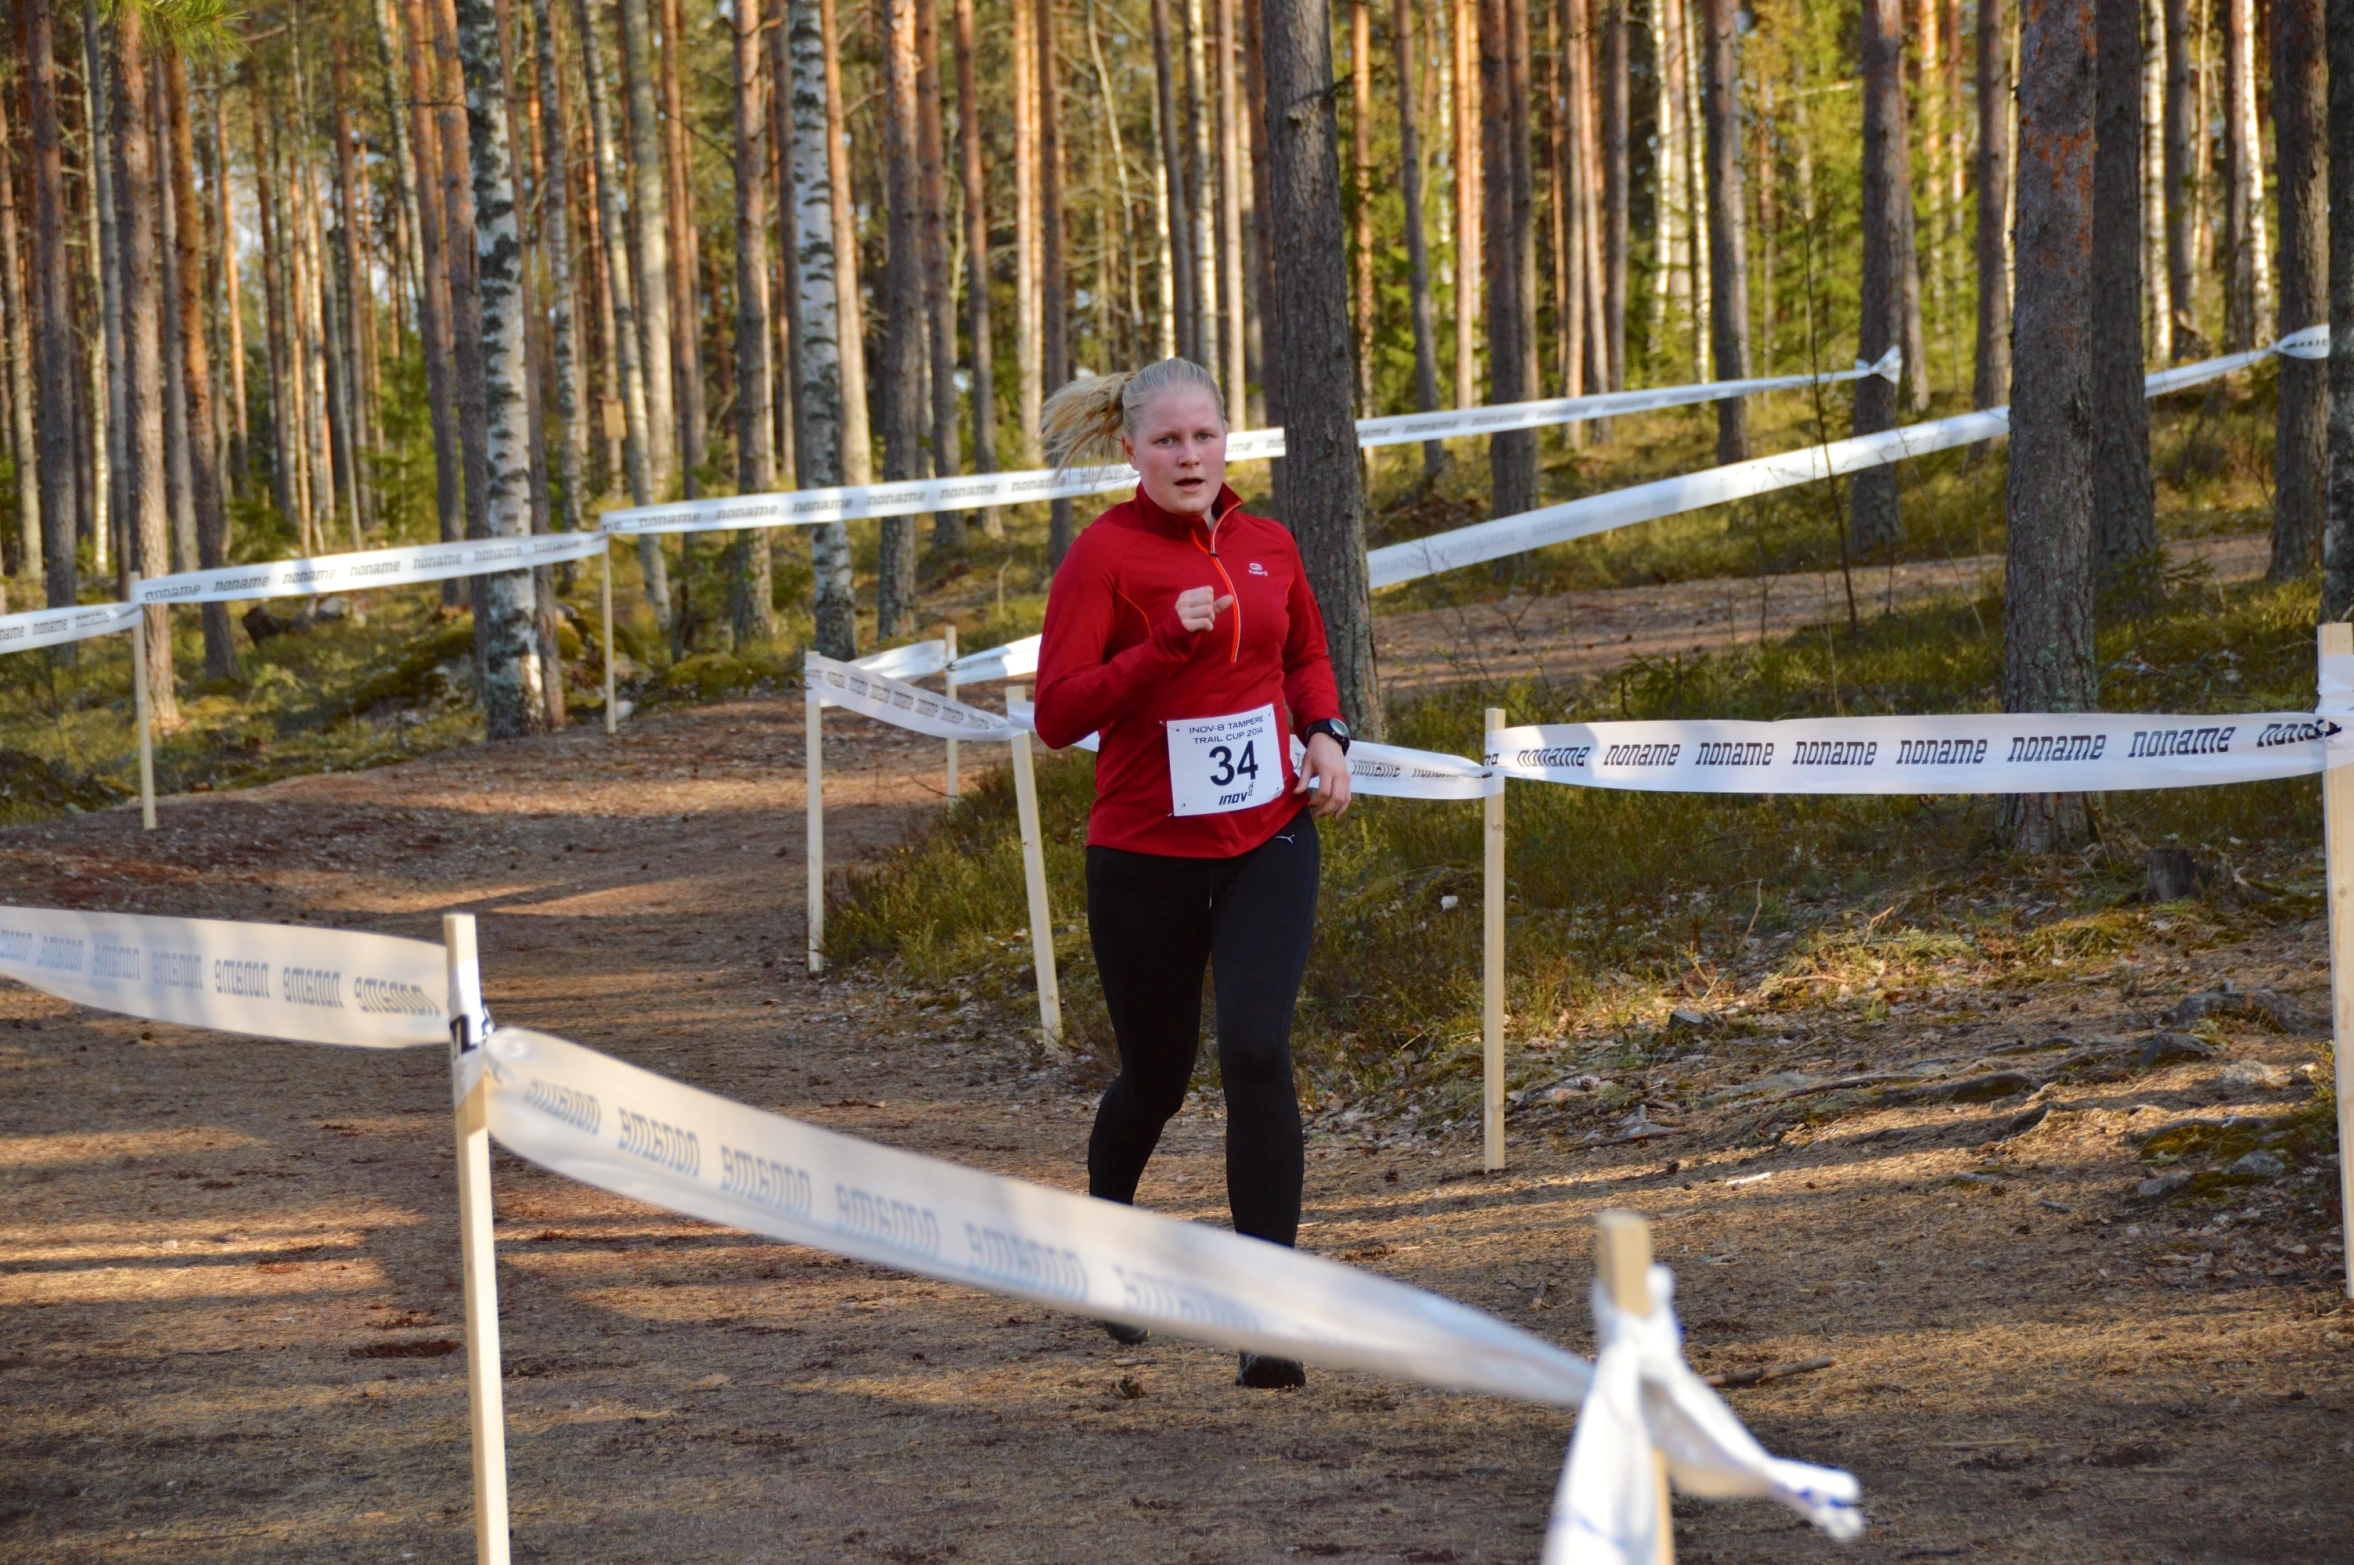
column 1083, row 422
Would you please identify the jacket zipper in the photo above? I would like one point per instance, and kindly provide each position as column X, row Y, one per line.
column 1211, row 549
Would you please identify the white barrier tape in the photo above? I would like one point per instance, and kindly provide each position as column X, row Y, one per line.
column 895, row 701
column 1646, row 1399
column 627, row 1130
column 1582, row 518
column 272, row 980
column 972, row 492
column 370, row 568
column 2025, row 752
column 1024, row 715
column 1375, row 770
column 913, row 661
column 1014, row 660
column 55, row 627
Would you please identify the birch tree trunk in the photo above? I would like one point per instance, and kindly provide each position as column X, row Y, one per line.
column 857, row 441
column 2182, row 291
column 1728, row 249
column 2337, row 540
column 939, row 273
column 1991, row 374
column 145, row 513
column 20, row 369
column 53, row 301
column 978, row 327
column 1426, row 359
column 461, row 253
column 818, row 390
column 1324, row 506
column 2125, row 523
column 195, row 370
column 2048, row 663
column 2300, row 446
column 1874, row 522
column 506, row 650
column 637, row 409
column 751, row 609
column 1180, row 211
column 903, row 318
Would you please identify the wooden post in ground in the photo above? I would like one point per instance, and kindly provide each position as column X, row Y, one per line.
column 1050, row 1000
column 142, row 712
column 1492, row 977
column 948, row 635
column 478, row 1254
column 814, row 813
column 2337, row 816
column 605, row 588
column 1622, row 1260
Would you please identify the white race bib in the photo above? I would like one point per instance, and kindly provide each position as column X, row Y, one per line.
column 1217, row 764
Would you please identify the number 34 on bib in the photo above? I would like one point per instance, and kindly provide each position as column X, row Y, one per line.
column 1218, row 764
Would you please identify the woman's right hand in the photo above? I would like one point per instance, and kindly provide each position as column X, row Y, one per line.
column 1197, row 611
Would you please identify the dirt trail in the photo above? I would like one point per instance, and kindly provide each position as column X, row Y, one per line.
column 229, row 1316
column 1554, row 635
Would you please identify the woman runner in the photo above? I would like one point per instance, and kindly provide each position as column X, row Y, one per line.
column 1182, row 630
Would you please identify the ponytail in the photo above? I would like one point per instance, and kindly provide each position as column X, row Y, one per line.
column 1084, row 421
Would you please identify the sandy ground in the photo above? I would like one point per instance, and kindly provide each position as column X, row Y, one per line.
column 1563, row 634
column 229, row 1311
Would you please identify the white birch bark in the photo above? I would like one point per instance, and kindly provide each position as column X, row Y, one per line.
column 818, row 456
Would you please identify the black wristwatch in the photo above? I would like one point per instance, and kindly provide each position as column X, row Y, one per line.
column 1327, row 725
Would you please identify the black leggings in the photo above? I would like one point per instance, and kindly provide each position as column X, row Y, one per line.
column 1155, row 922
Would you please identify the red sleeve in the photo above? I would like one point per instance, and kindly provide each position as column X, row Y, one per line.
column 1308, row 686
column 1080, row 691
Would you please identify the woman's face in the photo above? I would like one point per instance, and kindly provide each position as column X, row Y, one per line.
column 1179, row 445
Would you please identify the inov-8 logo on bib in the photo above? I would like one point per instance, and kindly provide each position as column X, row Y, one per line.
column 1217, row 764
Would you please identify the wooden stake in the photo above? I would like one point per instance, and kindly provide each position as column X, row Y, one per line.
column 1492, row 977
column 142, row 713
column 605, row 589
column 814, row 812
column 478, row 1253
column 1050, row 1000
column 2337, row 817
column 948, row 634
column 1622, row 1259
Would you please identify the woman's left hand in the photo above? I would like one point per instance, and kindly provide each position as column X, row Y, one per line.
column 1326, row 768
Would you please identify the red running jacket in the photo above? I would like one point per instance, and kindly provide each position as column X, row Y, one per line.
column 1114, row 660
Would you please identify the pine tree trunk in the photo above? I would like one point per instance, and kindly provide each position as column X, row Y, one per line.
column 903, row 317
column 1361, row 198
column 2300, row 447
column 2048, row 663
column 2182, row 293
column 1233, row 294
column 461, row 253
column 179, row 481
column 1323, row 504
column 406, row 218
column 649, row 208
column 276, row 349
column 1180, row 256
column 145, row 514
column 22, row 444
column 2242, row 178
column 555, row 248
column 1728, row 247
column 939, row 270
column 2125, row 527
column 818, row 390
column 2337, row 541
column 232, row 307
column 628, row 340
column 857, row 440
column 1874, row 522
column 433, row 299
column 506, row 649
column 1208, row 319
column 1509, row 238
column 1426, row 359
column 751, row 609
column 1991, row 383
column 1470, row 183
column 1614, row 189
column 1029, row 367
column 1054, row 297
column 53, row 343
column 976, row 216
column 195, row 371
column 109, row 446
column 686, row 262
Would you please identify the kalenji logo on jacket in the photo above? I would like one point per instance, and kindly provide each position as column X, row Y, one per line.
column 1257, row 569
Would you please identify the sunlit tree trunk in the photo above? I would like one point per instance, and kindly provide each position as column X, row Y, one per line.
column 1873, row 519
column 2048, row 662
column 1180, row 211
column 433, row 296
column 1426, row 361
column 145, row 516
column 1054, row 298
column 1469, row 191
column 1614, row 189
column 978, row 327
column 240, row 463
column 22, row 444
column 1233, row 174
column 195, row 371
column 2125, row 522
column 686, row 260
column 1361, row 195
column 1728, row 247
column 939, row 273
column 1029, row 366
column 506, row 648
column 109, row 401
column 2243, row 179
column 555, row 248
column 1323, row 503
column 751, row 610
column 1991, row 382
column 2300, row 445
column 818, row 390
column 649, row 209
column 857, row 441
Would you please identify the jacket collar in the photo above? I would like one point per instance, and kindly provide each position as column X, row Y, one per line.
column 1177, row 523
